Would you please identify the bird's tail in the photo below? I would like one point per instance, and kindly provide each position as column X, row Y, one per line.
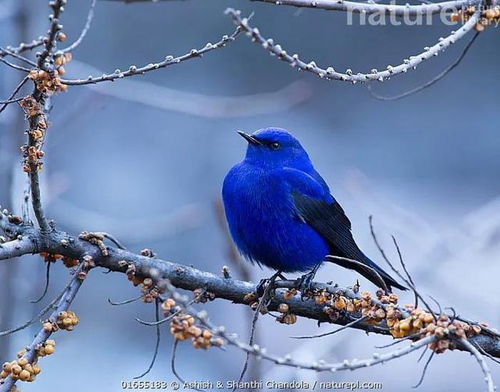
column 369, row 270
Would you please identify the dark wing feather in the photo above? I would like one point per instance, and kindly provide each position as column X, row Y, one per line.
column 331, row 222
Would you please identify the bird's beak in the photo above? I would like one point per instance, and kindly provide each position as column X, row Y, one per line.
column 249, row 138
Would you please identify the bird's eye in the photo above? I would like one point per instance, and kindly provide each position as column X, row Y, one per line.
column 275, row 146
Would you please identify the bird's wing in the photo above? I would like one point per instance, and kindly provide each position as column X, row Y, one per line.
column 330, row 221
column 314, row 205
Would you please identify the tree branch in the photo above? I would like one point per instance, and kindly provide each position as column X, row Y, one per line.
column 431, row 82
column 482, row 363
column 362, row 7
column 372, row 8
column 35, row 106
column 22, row 47
column 90, row 17
column 15, row 248
column 169, row 60
column 349, row 76
column 42, row 336
column 50, row 39
column 189, row 278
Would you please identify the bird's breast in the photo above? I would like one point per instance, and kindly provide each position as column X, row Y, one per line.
column 263, row 221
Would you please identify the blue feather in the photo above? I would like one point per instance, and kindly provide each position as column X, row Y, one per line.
column 280, row 211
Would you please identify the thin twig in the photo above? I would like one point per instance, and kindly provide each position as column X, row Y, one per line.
column 16, row 90
column 364, row 266
column 90, row 17
column 424, row 370
column 429, row 7
column 423, row 353
column 396, row 271
column 482, row 363
column 409, row 337
column 373, row 8
column 260, row 305
column 50, row 40
column 318, row 366
column 487, row 354
column 127, row 301
column 9, row 101
column 429, row 83
column 34, row 319
column 22, row 47
column 4, row 51
column 47, row 280
column 164, row 320
column 157, row 322
column 403, row 264
column 65, row 301
column 348, row 325
column 157, row 344
column 169, row 60
column 114, row 240
column 440, row 310
column 174, row 370
column 15, row 66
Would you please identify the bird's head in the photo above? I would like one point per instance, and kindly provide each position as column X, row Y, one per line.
column 275, row 147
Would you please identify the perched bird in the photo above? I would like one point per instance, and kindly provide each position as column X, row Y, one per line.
column 281, row 214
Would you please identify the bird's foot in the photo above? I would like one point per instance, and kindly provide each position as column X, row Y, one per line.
column 261, row 286
column 267, row 284
column 304, row 283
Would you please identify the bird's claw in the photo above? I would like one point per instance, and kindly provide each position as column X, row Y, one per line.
column 259, row 290
column 305, row 284
column 268, row 284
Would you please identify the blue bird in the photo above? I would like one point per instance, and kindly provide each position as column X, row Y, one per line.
column 281, row 214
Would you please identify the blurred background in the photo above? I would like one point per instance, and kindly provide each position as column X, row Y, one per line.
column 144, row 159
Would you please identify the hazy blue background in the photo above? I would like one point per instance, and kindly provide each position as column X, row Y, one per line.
column 426, row 167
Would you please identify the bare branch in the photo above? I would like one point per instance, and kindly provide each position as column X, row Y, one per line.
column 408, row 281
column 40, row 314
column 42, row 336
column 424, row 370
column 319, row 365
column 428, row 8
column 381, row 315
column 169, row 60
column 9, row 101
column 4, row 52
column 348, row 325
column 190, row 278
column 11, row 97
column 50, row 39
column 482, row 363
column 16, row 248
column 349, row 76
column 37, row 119
column 431, row 82
column 14, row 66
column 372, row 8
column 157, row 342
column 47, row 282
column 173, row 368
column 85, row 30
column 22, row 47
column 127, row 301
